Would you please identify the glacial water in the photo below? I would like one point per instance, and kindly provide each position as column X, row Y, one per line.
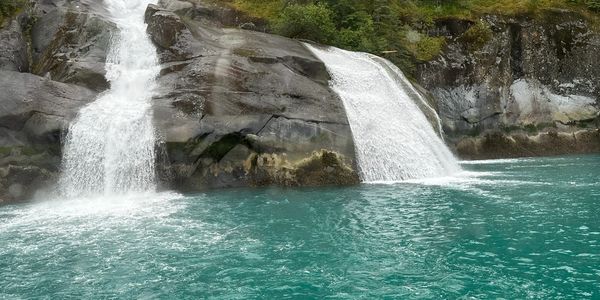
column 393, row 138
column 109, row 148
column 506, row 229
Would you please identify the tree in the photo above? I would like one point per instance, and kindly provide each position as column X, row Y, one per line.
column 313, row 22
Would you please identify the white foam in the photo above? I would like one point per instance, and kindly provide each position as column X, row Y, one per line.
column 127, row 207
column 494, row 161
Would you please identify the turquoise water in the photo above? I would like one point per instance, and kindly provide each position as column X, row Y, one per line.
column 513, row 229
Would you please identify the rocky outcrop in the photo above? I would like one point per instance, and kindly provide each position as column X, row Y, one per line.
column 33, row 114
column 214, row 13
column 497, row 144
column 234, row 108
column 70, row 42
column 517, row 79
column 243, row 108
column 46, row 57
column 14, row 52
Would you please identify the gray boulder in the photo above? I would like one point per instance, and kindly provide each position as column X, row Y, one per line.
column 243, row 108
column 34, row 112
column 39, row 107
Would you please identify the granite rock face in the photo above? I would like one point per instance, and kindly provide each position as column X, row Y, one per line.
column 244, row 108
column 33, row 115
column 51, row 64
column 533, row 76
column 14, row 52
column 70, row 41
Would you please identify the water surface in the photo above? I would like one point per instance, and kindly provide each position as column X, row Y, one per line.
column 513, row 229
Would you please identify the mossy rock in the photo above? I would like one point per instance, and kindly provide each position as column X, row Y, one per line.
column 245, row 52
column 477, row 36
column 425, row 48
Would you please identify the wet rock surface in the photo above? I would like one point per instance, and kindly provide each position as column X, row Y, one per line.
column 52, row 60
column 231, row 101
column 244, row 108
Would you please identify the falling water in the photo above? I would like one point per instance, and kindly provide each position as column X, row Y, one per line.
column 394, row 140
column 109, row 148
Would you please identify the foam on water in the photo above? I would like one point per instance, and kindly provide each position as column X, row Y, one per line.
column 109, row 149
column 495, row 161
column 394, row 140
column 96, row 211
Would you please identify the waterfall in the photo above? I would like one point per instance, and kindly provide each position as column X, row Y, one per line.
column 394, row 140
column 109, row 148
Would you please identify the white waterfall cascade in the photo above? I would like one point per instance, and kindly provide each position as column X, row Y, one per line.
column 110, row 146
column 394, row 140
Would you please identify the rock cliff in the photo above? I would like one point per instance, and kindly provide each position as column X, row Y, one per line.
column 240, row 107
column 234, row 108
column 244, row 108
column 525, row 85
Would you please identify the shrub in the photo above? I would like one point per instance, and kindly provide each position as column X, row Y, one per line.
column 266, row 9
column 426, row 48
column 312, row 22
column 593, row 5
column 358, row 33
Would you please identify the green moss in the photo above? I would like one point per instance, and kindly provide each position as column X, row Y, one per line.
column 22, row 150
column 5, row 150
column 244, row 52
column 531, row 129
column 477, row 36
column 509, row 129
column 426, row 48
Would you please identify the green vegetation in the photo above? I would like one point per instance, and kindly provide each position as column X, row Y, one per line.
column 593, row 5
column 244, row 52
column 20, row 150
column 424, row 47
column 312, row 21
column 531, row 128
column 477, row 36
column 396, row 29
column 9, row 8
